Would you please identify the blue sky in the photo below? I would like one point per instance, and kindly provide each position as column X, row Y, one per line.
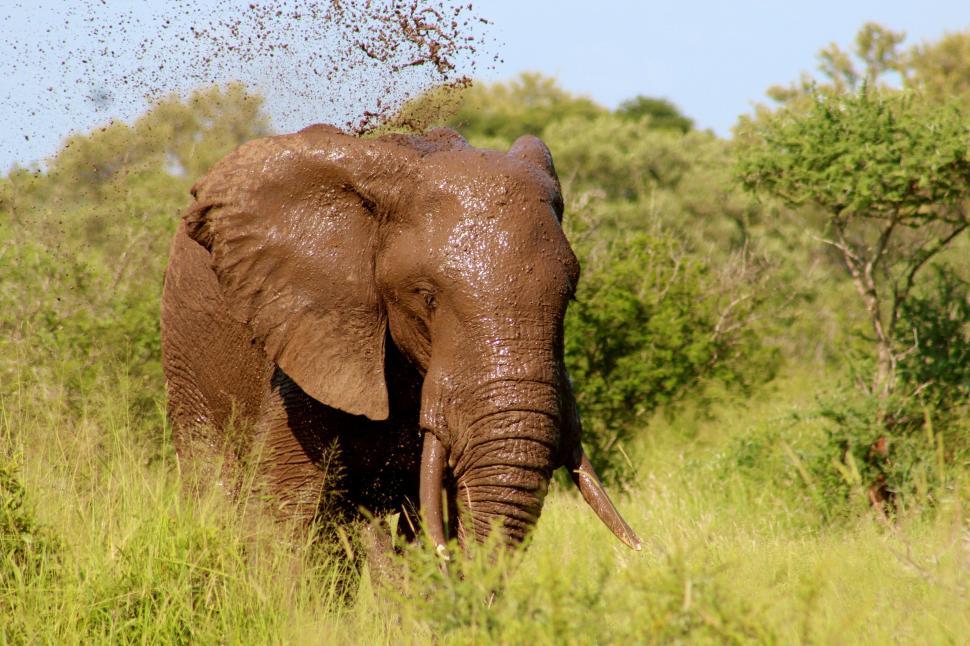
column 713, row 59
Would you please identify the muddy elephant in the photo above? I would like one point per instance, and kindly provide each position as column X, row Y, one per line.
column 398, row 299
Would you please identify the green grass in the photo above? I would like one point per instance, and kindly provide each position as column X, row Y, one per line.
column 102, row 543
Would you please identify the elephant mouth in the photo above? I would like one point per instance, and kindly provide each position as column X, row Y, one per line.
column 434, row 458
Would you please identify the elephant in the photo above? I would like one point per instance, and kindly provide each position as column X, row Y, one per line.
column 384, row 317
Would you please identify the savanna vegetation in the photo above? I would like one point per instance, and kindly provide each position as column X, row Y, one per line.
column 770, row 348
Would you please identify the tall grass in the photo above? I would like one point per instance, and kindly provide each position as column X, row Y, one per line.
column 102, row 543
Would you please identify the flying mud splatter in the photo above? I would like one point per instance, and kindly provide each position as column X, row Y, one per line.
column 351, row 63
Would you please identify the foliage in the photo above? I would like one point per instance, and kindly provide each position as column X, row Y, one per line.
column 102, row 544
column 891, row 174
column 496, row 114
column 662, row 113
column 27, row 547
column 885, row 453
column 83, row 245
column 935, row 325
column 622, row 158
column 727, row 558
column 883, row 178
column 941, row 70
column 180, row 136
column 651, row 324
column 899, row 449
column 561, row 603
column 866, row 154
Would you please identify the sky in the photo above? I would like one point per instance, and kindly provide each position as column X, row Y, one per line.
column 60, row 62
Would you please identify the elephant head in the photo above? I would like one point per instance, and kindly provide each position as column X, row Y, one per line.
column 329, row 246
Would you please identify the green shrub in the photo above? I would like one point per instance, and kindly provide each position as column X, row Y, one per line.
column 878, row 452
column 509, row 598
column 904, row 447
column 651, row 324
column 30, row 552
column 26, row 546
column 936, row 324
column 174, row 581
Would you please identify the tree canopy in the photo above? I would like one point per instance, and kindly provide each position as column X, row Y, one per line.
column 663, row 114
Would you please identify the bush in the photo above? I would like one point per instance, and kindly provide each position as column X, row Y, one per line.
column 30, row 553
column 867, row 460
column 937, row 324
column 26, row 546
column 487, row 598
column 649, row 325
column 905, row 444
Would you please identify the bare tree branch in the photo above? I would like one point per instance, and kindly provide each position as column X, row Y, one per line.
column 900, row 294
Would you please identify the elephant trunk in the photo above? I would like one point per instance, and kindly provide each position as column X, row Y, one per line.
column 494, row 504
column 503, row 473
column 500, row 442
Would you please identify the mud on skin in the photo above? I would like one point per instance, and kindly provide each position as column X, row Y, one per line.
column 400, row 298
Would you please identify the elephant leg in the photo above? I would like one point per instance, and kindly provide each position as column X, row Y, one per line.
column 204, row 453
column 212, row 402
column 297, row 466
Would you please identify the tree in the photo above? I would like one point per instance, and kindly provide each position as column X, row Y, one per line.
column 941, row 70
column 83, row 244
column 495, row 114
column 662, row 114
column 938, row 70
column 623, row 158
column 890, row 172
column 177, row 136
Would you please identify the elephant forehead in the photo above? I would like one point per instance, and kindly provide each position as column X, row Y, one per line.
column 480, row 179
column 492, row 223
column 491, row 255
column 473, row 246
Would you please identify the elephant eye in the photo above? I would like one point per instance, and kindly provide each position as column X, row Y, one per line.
column 428, row 296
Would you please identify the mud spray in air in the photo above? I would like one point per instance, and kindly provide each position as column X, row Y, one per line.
column 352, row 64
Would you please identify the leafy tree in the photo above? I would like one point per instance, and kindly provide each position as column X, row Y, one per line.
column 176, row 136
column 27, row 547
column 653, row 323
column 622, row 158
column 891, row 174
column 935, row 323
column 649, row 175
column 83, row 244
column 875, row 55
column 941, row 70
column 495, row 114
column 662, row 114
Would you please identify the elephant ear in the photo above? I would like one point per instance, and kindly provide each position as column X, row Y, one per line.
column 531, row 149
column 291, row 223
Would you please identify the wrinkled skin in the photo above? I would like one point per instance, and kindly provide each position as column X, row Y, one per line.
column 383, row 297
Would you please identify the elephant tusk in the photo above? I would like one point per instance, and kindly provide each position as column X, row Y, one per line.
column 429, row 490
column 588, row 483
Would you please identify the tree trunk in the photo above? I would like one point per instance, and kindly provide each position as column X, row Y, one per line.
column 862, row 271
